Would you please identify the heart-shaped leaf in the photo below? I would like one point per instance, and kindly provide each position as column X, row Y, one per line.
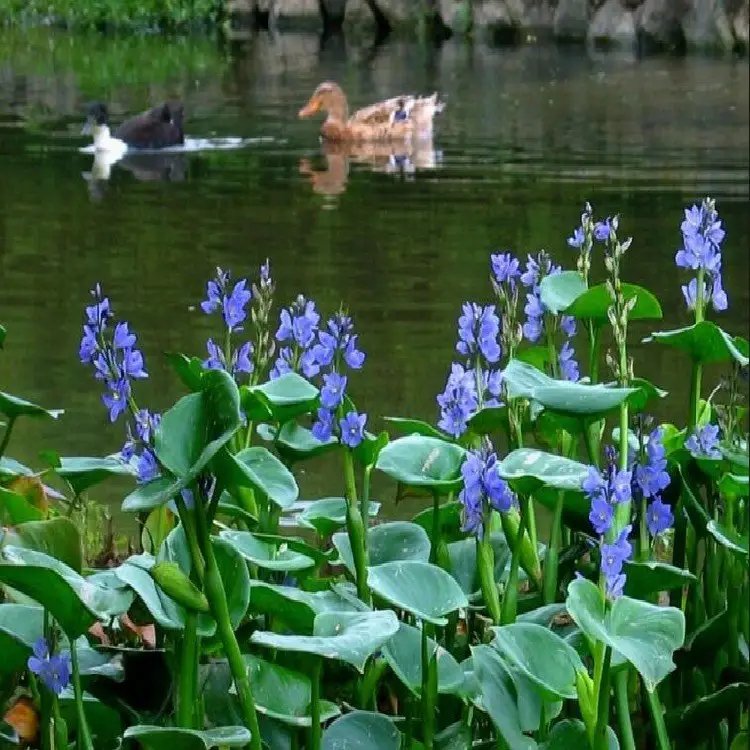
column 75, row 602
column 416, row 427
column 594, row 303
column 14, row 407
column 266, row 554
column 58, row 538
column 704, row 342
column 541, row 656
column 329, row 514
column 82, row 473
column 351, row 637
column 386, row 542
column 570, row 734
column 16, row 508
column 463, row 561
column 645, row 634
column 422, row 589
column 362, row 730
column 296, row 443
column 258, row 469
column 561, row 290
column 646, row 578
column 189, row 369
column 403, row 654
column 171, row 738
column 449, row 520
column 284, row 694
column 281, row 399
column 420, row 461
column 20, row 626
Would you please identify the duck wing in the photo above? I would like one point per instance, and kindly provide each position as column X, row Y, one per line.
column 380, row 113
column 420, row 111
column 157, row 127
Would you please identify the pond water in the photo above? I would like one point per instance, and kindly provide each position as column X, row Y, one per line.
column 527, row 136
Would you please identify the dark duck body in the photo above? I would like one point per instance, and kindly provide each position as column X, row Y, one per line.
column 156, row 128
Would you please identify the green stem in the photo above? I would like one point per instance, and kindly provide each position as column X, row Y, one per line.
column 315, row 727
column 428, row 695
column 187, row 678
column 364, row 501
column 6, row 436
column 549, row 586
column 217, row 601
column 510, row 595
column 696, row 375
column 84, row 734
column 60, row 729
column 591, row 438
column 368, row 684
column 186, row 519
column 644, row 544
column 595, row 341
column 622, row 510
column 657, row 715
column 627, row 741
column 355, row 527
column 486, row 566
column 602, row 709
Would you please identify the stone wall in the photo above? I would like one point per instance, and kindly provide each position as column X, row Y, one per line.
column 648, row 25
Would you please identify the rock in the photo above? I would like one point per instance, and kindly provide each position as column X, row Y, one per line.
column 741, row 25
column 613, row 23
column 705, row 25
column 294, row 13
column 659, row 24
column 333, row 10
column 458, row 15
column 571, row 20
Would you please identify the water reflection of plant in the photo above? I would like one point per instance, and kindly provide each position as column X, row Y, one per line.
column 462, row 621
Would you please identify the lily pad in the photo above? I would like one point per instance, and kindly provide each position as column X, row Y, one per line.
column 421, row 461
column 351, row 637
column 416, row 427
column 570, row 734
column 422, row 589
column 651, row 576
column 403, row 654
column 386, row 542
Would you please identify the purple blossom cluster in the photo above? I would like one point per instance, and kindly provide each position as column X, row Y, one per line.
column 52, row 669
column 231, row 301
column 112, row 353
column 650, row 478
column 297, row 332
column 484, row 490
column 703, row 442
column 702, row 235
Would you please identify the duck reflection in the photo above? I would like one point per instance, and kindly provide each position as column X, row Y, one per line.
column 145, row 167
column 403, row 159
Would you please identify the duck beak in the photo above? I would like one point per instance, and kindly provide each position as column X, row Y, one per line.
column 309, row 109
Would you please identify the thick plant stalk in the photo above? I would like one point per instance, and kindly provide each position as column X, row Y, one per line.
column 84, row 734
column 187, row 680
column 315, row 728
column 601, row 682
column 355, row 527
column 510, row 595
column 657, row 715
column 486, row 565
column 528, row 554
column 429, row 692
column 549, row 585
column 623, row 710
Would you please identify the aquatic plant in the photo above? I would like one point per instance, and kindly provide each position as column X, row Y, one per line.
column 464, row 627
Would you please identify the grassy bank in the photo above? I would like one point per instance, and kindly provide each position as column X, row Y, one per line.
column 120, row 15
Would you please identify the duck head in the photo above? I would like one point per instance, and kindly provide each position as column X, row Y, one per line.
column 328, row 98
column 96, row 117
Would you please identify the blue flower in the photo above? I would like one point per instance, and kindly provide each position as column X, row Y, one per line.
column 116, row 398
column 478, row 331
column 601, row 514
column 322, row 428
column 352, row 428
column 132, row 364
column 483, row 490
column 620, row 486
column 651, row 476
column 704, row 442
column 298, row 328
column 89, row 345
column 568, row 364
column 52, row 670
column 145, row 424
column 147, row 466
column 602, row 230
column 594, row 485
column 241, row 361
column 659, row 517
column 332, row 392
column 577, row 239
column 234, row 304
column 458, row 402
column 613, row 558
column 568, row 325
column 505, row 268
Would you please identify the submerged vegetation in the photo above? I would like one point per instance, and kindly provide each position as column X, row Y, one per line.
column 247, row 617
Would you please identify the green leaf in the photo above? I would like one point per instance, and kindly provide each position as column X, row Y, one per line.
column 386, row 542
column 293, row 606
column 258, row 469
column 570, row 734
column 704, row 342
column 729, row 538
column 734, row 485
column 14, row 407
column 94, row 663
column 20, row 626
column 296, row 443
column 57, row 538
column 404, row 656
column 463, row 561
column 120, row 596
column 175, row 584
column 265, row 554
column 362, row 730
column 7, row 733
column 646, row 392
column 541, row 656
column 170, row 738
column 15, row 509
column 449, row 520
column 561, row 290
column 416, row 427
column 104, row 722
column 329, row 514
column 351, row 637
column 189, row 369
column 72, row 600
column 498, row 697
column 82, row 473
column 3, row 334
column 422, row 589
column 577, row 400
column 420, row 461
column 702, row 645
column 281, row 399
column 9, row 467
column 697, row 722
column 284, row 694
column 235, row 577
column 644, row 634
column 369, row 449
column 151, row 495
column 594, row 303
column 644, row 579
